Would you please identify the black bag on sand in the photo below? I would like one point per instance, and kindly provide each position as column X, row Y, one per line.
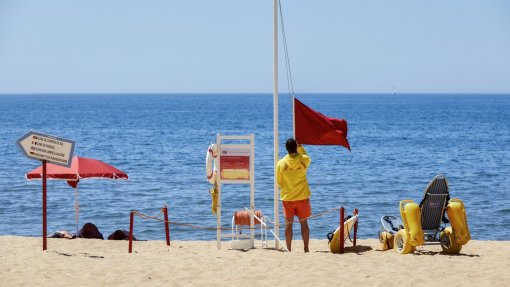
column 89, row 230
column 120, row 235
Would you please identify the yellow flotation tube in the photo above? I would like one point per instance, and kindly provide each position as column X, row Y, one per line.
column 385, row 240
column 411, row 217
column 458, row 221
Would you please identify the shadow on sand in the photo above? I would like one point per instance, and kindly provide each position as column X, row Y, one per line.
column 434, row 253
column 360, row 249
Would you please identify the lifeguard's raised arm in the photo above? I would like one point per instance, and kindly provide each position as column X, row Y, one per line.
column 306, row 158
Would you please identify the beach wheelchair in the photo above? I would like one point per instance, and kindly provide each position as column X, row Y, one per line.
column 422, row 223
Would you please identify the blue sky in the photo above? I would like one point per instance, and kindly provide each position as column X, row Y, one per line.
column 219, row 46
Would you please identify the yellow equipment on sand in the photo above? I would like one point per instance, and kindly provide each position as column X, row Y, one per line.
column 422, row 223
column 334, row 240
column 451, row 238
column 390, row 226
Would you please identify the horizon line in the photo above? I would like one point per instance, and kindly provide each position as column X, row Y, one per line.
column 248, row 93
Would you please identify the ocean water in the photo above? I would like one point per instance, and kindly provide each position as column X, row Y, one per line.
column 399, row 143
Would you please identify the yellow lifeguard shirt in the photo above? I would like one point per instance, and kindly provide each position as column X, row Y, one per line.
column 291, row 176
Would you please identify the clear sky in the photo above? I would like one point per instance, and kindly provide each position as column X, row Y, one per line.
column 202, row 46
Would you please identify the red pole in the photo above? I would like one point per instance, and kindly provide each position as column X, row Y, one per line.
column 44, row 205
column 131, row 225
column 355, row 227
column 342, row 211
column 167, row 229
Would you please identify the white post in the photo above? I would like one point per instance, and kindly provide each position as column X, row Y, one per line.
column 218, row 182
column 275, row 120
column 293, row 117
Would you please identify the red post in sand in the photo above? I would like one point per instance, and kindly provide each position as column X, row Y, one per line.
column 44, row 244
column 355, row 227
column 131, row 225
column 342, row 211
column 167, row 229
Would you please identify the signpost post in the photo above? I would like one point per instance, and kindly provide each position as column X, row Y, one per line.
column 44, row 225
column 50, row 149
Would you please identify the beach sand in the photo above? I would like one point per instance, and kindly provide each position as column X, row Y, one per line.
column 89, row 262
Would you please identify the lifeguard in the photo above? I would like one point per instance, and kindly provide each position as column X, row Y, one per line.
column 294, row 190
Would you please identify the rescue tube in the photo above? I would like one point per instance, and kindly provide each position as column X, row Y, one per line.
column 210, row 168
column 334, row 244
column 411, row 216
column 214, row 199
column 458, row 221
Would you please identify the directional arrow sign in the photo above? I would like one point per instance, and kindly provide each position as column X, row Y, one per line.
column 49, row 148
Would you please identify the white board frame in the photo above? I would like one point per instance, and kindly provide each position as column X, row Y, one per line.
column 251, row 147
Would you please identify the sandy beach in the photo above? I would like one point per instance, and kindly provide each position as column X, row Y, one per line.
column 198, row 263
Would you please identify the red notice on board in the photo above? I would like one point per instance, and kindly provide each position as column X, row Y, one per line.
column 235, row 164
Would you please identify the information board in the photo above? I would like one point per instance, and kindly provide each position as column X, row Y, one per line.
column 52, row 149
column 235, row 163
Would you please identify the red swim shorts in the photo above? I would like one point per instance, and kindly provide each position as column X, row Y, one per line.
column 299, row 208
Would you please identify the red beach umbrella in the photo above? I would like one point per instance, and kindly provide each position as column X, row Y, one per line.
column 81, row 168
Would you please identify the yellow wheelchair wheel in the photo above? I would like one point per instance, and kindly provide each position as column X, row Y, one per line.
column 401, row 244
column 448, row 243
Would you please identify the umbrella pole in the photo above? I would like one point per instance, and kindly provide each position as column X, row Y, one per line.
column 76, row 208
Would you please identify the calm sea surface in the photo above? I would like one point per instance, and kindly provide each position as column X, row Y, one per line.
column 399, row 143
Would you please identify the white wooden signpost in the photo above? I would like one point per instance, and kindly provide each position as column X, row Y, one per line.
column 50, row 149
column 47, row 148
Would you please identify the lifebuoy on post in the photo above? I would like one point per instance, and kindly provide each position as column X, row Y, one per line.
column 210, row 167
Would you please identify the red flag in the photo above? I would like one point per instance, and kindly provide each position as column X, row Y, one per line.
column 315, row 128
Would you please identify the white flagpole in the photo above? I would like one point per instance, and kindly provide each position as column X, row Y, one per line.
column 293, row 117
column 275, row 121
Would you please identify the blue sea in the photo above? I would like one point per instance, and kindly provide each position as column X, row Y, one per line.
column 399, row 143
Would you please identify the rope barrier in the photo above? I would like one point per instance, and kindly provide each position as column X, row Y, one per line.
column 164, row 211
column 147, row 217
column 144, row 216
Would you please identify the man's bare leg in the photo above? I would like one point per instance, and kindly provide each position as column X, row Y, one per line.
column 288, row 232
column 305, row 233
